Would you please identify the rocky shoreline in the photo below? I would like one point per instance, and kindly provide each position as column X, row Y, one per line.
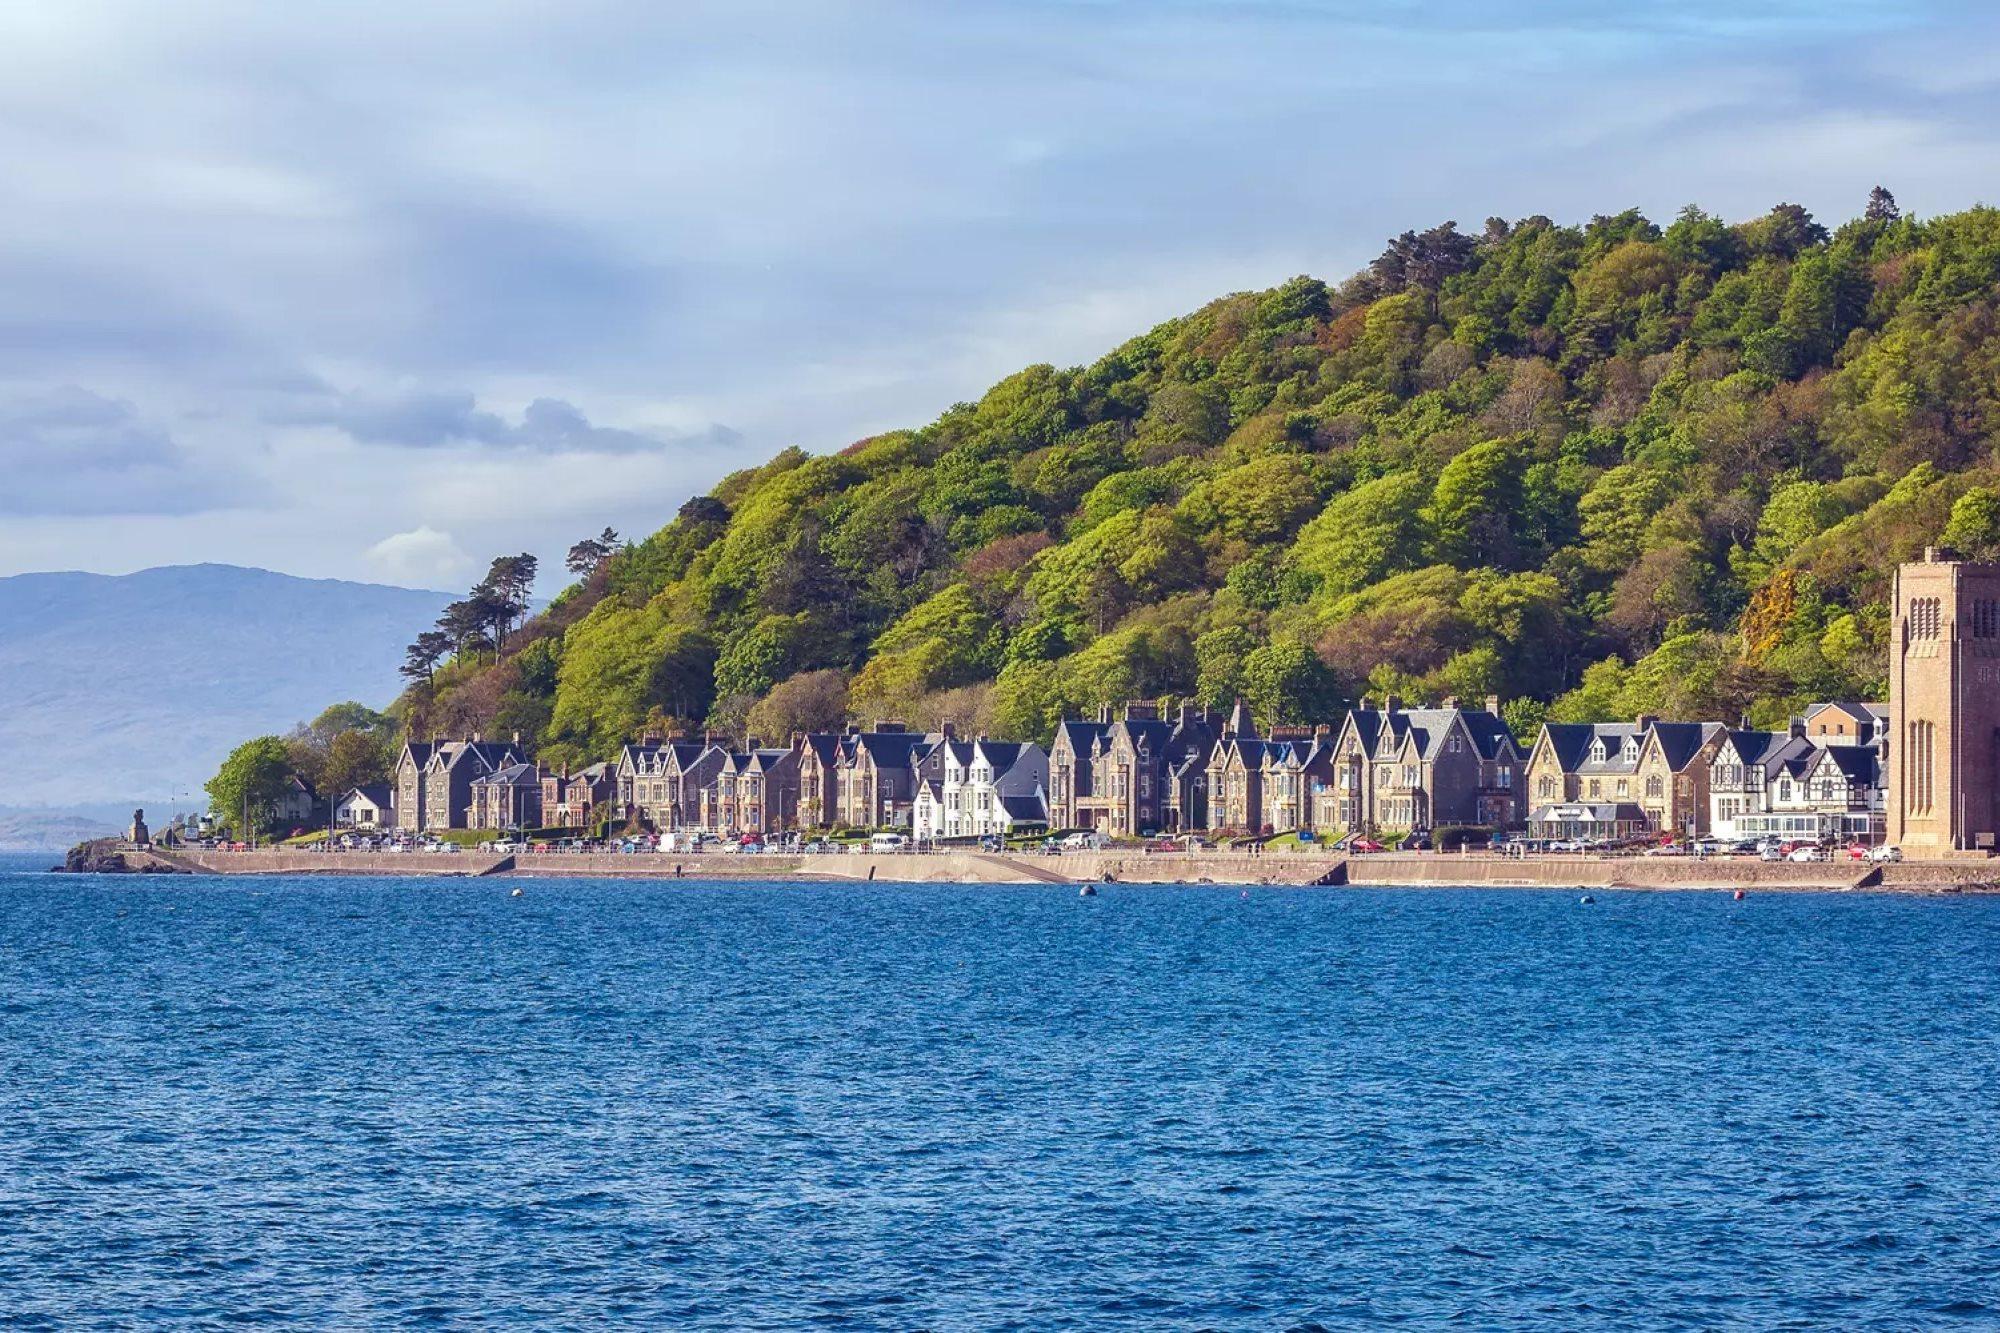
column 106, row 856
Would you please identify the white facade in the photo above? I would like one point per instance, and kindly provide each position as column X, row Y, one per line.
column 1787, row 786
column 360, row 809
column 971, row 797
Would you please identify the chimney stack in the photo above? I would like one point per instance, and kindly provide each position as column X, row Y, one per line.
column 1493, row 704
column 1450, row 702
column 1392, row 703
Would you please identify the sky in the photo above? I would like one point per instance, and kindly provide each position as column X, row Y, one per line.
column 381, row 290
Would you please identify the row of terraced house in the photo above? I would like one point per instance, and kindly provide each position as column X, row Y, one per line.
column 1150, row 768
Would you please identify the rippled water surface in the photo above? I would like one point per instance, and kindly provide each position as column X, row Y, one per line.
column 368, row 1101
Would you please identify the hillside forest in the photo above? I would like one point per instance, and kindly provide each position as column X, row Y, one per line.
column 1597, row 470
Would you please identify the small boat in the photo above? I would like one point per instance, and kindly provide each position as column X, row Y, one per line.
column 1586, row 900
column 1087, row 891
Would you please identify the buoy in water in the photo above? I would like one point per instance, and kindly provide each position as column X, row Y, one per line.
column 1586, row 900
column 515, row 894
column 1739, row 895
column 1087, row 891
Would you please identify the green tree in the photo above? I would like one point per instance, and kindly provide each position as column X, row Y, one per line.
column 252, row 778
column 1974, row 529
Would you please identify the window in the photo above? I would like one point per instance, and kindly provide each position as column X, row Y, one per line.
column 1503, row 776
column 1547, row 787
column 1624, row 788
column 1925, row 618
column 1655, row 789
column 1596, row 788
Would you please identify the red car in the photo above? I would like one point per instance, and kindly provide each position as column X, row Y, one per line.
column 1364, row 845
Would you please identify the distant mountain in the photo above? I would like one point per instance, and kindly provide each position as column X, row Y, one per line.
column 50, row 830
column 131, row 688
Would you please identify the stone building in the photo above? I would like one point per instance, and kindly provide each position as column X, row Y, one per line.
column 433, row 780
column 1944, row 707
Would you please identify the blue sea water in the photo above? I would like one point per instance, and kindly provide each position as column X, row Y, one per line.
column 368, row 1102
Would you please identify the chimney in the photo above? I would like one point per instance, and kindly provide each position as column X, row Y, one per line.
column 517, row 739
column 1645, row 721
column 1930, row 555
column 1798, row 728
column 890, row 724
column 1450, row 702
column 949, row 730
column 1493, row 704
column 1104, row 714
column 475, row 738
column 1392, row 703
column 753, row 743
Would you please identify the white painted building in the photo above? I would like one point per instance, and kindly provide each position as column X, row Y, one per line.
column 1791, row 785
column 366, row 807
column 982, row 787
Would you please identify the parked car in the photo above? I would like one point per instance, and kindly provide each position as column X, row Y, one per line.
column 1417, row 842
column 1363, row 845
column 1085, row 840
column 1885, row 853
column 1666, row 849
column 887, row 842
column 1808, row 852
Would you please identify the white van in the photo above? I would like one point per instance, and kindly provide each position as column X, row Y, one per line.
column 887, row 842
column 1088, row 840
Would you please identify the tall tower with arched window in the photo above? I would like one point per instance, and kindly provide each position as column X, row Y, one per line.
column 1944, row 707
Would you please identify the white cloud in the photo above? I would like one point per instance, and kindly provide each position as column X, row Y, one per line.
column 497, row 270
column 420, row 558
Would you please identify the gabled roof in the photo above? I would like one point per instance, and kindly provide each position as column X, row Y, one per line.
column 766, row 758
column 1080, row 734
column 376, row 794
column 486, row 755
column 1859, row 711
column 1002, row 755
column 824, row 745
column 1147, row 733
column 889, row 749
column 1490, row 735
column 1768, row 749
column 1859, row 764
column 1681, row 742
column 512, row 775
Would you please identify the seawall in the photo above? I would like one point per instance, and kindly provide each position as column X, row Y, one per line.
column 1407, row 870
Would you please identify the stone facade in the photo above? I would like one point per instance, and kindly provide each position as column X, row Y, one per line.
column 1944, row 707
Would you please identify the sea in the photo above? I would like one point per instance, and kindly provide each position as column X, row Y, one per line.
column 373, row 1102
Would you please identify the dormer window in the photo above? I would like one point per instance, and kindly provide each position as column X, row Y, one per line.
column 1631, row 748
column 1597, row 751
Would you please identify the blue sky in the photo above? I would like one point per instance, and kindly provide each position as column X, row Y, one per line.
column 380, row 290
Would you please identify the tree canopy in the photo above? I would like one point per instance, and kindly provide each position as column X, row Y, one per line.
column 1613, row 466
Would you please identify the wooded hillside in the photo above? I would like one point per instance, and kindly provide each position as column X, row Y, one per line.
column 1605, row 469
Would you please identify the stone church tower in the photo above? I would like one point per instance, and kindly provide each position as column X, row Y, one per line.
column 1944, row 707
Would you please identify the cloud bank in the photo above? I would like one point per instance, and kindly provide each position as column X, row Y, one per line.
column 276, row 282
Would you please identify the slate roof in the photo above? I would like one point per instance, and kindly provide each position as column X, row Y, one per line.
column 513, row 775
column 1680, row 742
column 1030, row 808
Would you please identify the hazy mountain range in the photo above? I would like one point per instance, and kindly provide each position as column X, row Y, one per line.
column 124, row 691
